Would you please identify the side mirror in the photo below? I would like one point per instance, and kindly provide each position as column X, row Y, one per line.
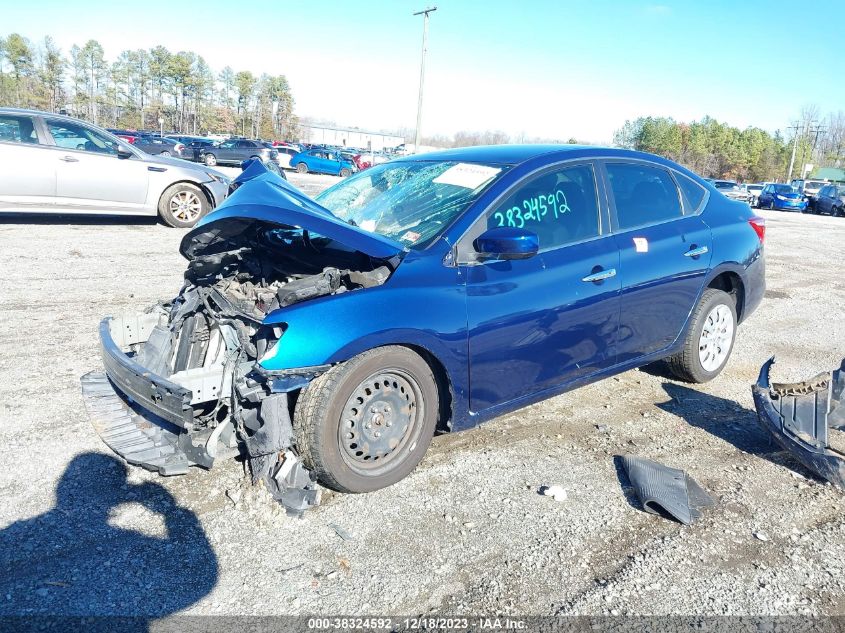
column 507, row 243
column 124, row 153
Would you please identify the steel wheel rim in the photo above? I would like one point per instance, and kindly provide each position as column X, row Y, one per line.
column 379, row 420
column 210, row 160
column 185, row 206
column 714, row 344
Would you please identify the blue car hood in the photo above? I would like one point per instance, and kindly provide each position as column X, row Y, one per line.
column 264, row 196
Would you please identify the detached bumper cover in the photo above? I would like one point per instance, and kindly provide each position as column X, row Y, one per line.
column 807, row 419
column 138, row 437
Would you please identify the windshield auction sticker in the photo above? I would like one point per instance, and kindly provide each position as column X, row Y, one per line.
column 467, row 175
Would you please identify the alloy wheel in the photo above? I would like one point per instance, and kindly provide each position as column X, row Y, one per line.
column 186, row 206
column 714, row 343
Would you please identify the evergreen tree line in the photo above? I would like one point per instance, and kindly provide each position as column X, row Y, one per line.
column 142, row 86
column 717, row 150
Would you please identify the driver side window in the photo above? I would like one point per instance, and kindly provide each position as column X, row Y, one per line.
column 560, row 206
column 77, row 137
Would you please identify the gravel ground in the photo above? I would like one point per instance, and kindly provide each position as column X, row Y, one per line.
column 467, row 532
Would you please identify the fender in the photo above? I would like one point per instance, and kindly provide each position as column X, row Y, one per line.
column 333, row 329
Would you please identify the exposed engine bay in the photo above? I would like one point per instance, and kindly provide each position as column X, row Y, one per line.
column 185, row 374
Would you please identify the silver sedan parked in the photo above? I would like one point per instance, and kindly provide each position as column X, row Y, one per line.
column 57, row 164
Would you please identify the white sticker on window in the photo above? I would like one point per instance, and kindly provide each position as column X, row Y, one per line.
column 641, row 244
column 467, row 175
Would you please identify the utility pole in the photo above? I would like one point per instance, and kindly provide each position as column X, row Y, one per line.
column 794, row 128
column 819, row 129
column 418, row 134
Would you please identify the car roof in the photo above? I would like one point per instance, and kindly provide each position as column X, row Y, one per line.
column 28, row 112
column 517, row 154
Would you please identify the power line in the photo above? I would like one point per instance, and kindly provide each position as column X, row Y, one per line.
column 418, row 134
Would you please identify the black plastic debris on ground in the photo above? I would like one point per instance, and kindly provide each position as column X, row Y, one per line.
column 807, row 419
column 665, row 491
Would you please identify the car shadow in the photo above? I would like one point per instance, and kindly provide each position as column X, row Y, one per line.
column 49, row 219
column 729, row 421
column 73, row 561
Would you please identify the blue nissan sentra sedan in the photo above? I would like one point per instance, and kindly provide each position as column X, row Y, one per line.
column 326, row 340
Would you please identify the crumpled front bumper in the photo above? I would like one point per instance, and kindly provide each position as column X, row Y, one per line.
column 139, row 415
column 156, row 394
column 149, row 420
column 807, row 419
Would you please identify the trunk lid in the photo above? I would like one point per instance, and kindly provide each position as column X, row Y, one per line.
column 263, row 196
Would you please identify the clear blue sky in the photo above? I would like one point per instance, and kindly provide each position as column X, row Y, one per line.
column 539, row 67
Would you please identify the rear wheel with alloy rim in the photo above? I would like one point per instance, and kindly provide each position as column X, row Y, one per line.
column 366, row 423
column 182, row 205
column 709, row 339
column 345, row 172
column 302, row 168
column 210, row 160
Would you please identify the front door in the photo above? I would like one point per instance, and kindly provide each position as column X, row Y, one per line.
column 535, row 324
column 664, row 249
column 89, row 174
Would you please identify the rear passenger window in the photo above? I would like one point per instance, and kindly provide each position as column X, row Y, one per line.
column 17, row 129
column 643, row 194
column 691, row 192
column 560, row 207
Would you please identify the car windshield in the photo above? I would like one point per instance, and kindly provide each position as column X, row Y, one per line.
column 409, row 201
column 724, row 184
column 783, row 189
column 755, row 187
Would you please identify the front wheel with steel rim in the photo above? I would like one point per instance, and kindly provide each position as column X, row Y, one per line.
column 182, row 205
column 365, row 424
column 709, row 338
column 210, row 160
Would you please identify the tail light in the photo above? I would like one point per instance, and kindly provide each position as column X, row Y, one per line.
column 759, row 225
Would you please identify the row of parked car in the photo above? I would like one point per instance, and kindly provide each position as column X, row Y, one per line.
column 813, row 196
column 319, row 159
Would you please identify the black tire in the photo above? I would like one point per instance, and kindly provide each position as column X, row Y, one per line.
column 326, row 447
column 196, row 205
column 686, row 365
column 301, row 168
column 837, row 212
column 165, row 153
column 210, row 160
column 345, row 172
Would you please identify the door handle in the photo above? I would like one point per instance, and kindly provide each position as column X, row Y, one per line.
column 69, row 159
column 600, row 275
column 697, row 252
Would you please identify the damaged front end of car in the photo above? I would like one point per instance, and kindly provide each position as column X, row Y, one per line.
column 807, row 419
column 183, row 383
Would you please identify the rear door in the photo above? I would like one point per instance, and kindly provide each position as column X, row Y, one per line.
column 89, row 174
column 664, row 249
column 28, row 180
column 537, row 323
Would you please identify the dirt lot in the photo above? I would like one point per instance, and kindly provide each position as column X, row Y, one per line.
column 467, row 532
